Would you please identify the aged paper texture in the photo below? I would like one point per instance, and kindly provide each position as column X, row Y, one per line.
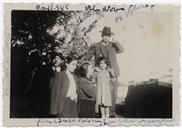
column 91, row 64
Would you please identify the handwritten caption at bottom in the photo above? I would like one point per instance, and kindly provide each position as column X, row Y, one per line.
column 103, row 122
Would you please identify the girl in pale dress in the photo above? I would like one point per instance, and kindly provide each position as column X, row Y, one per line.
column 103, row 96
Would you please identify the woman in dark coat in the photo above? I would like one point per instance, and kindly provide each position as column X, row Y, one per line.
column 64, row 92
column 86, row 92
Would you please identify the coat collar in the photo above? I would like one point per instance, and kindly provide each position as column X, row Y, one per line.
column 66, row 78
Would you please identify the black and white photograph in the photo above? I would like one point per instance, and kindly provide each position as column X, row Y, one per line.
column 96, row 61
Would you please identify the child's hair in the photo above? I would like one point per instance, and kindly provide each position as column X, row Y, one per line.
column 103, row 59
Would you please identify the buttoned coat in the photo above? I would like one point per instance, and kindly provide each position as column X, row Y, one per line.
column 59, row 86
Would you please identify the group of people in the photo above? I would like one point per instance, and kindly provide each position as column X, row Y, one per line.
column 89, row 89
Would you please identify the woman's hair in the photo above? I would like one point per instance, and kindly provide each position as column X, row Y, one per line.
column 103, row 59
column 83, row 69
column 54, row 54
column 68, row 60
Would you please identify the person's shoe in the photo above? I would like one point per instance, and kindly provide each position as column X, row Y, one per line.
column 113, row 114
column 97, row 115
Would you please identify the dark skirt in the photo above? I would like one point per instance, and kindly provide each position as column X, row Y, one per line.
column 69, row 109
column 86, row 108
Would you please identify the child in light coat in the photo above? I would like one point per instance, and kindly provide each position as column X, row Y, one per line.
column 103, row 93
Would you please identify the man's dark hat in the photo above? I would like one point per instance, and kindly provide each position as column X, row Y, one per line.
column 106, row 31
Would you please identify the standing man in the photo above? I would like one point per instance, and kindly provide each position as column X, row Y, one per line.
column 108, row 49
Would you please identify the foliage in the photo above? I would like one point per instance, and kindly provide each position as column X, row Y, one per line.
column 41, row 32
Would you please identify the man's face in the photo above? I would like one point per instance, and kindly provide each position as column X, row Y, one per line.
column 57, row 61
column 106, row 38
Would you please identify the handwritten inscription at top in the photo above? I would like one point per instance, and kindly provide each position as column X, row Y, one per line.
column 133, row 8
column 52, row 7
column 108, row 8
column 121, row 11
column 104, row 9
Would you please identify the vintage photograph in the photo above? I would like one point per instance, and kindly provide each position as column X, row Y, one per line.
column 96, row 61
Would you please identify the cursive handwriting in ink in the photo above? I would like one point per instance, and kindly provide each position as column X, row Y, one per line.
column 52, row 7
column 90, row 27
column 111, row 9
column 91, row 8
column 101, row 122
column 133, row 8
column 43, row 121
column 104, row 9
column 81, row 19
column 119, row 18
column 126, row 11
